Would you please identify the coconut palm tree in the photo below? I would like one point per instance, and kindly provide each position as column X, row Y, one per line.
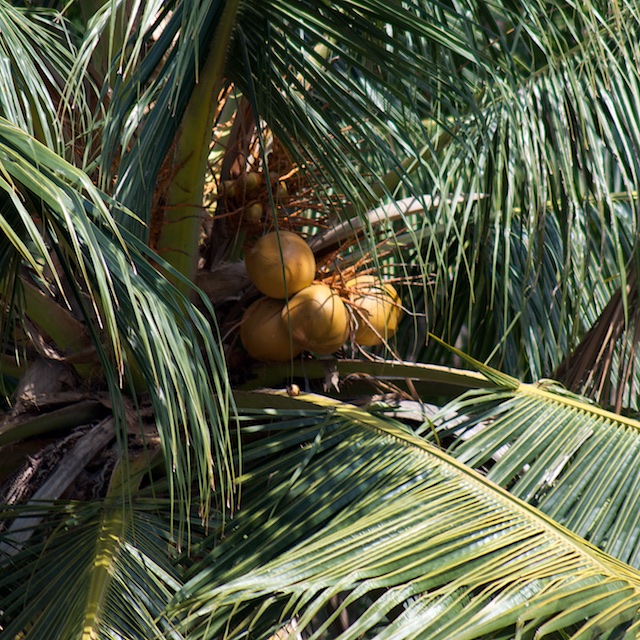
column 157, row 482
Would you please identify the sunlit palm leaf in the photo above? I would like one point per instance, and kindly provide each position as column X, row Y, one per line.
column 408, row 543
column 572, row 460
column 37, row 58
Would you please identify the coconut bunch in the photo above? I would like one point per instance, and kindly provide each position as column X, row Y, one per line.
column 249, row 194
column 298, row 315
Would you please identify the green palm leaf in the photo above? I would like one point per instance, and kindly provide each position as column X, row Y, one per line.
column 93, row 571
column 150, row 94
column 409, row 542
column 571, row 459
column 37, row 58
column 134, row 316
column 518, row 124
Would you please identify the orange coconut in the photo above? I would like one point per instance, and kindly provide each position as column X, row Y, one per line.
column 264, row 334
column 377, row 308
column 280, row 264
column 318, row 319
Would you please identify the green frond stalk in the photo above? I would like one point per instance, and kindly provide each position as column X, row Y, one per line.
column 116, row 517
column 93, row 571
column 179, row 236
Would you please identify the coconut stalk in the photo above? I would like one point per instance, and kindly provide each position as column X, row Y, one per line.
column 179, row 236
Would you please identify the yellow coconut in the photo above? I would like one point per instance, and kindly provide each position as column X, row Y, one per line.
column 318, row 319
column 264, row 334
column 280, row 264
column 377, row 308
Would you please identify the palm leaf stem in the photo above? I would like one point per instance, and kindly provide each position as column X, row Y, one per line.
column 438, row 379
column 65, row 418
column 353, row 227
column 70, row 336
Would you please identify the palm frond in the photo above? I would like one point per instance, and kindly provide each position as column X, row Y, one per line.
column 354, row 527
column 551, row 136
column 557, row 451
column 335, row 84
column 37, row 57
column 517, row 149
column 496, row 112
column 93, row 570
column 133, row 315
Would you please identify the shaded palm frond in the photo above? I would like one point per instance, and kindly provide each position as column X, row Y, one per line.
column 555, row 148
column 333, row 83
column 359, row 78
column 356, row 528
column 92, row 570
column 143, row 330
column 548, row 307
column 561, row 300
column 517, row 156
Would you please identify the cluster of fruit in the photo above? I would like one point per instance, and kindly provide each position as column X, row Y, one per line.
column 249, row 194
column 315, row 318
